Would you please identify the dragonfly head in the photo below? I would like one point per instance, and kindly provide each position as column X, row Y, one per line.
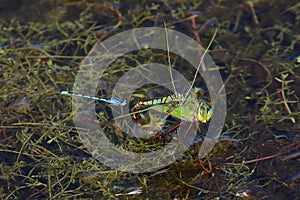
column 204, row 112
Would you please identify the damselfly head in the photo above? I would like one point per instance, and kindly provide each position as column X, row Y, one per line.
column 204, row 112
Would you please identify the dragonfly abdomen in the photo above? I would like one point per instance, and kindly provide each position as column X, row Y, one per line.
column 145, row 103
column 154, row 101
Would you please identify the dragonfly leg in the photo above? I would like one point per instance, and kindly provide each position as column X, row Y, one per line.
column 163, row 133
column 188, row 130
column 199, row 130
column 176, row 126
column 198, row 127
column 160, row 134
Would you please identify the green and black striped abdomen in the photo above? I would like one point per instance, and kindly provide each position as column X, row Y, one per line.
column 172, row 99
column 154, row 101
column 146, row 103
column 164, row 104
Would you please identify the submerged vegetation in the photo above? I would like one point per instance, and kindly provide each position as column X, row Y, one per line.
column 256, row 49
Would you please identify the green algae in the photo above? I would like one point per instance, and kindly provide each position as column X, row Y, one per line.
column 42, row 156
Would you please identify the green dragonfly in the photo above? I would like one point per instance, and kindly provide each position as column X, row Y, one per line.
column 178, row 106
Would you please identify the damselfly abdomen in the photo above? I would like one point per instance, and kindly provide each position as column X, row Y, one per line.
column 112, row 101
